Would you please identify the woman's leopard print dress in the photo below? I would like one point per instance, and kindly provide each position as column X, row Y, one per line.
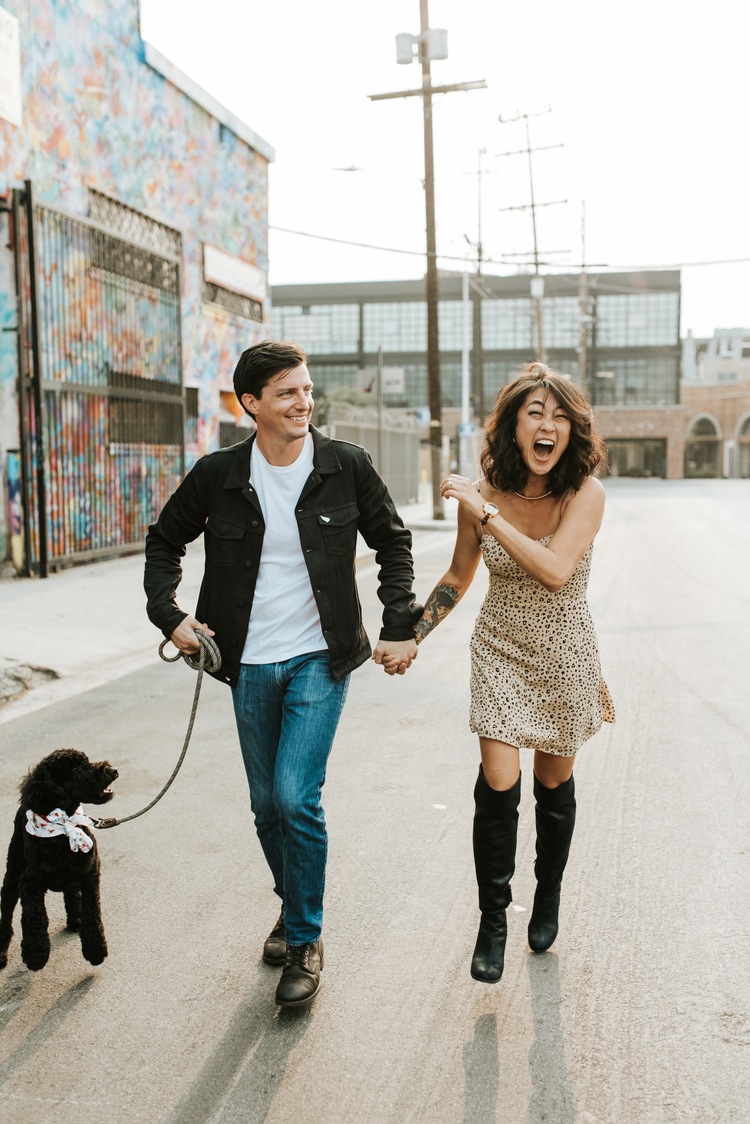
column 536, row 681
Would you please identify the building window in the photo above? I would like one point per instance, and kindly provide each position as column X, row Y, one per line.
column 395, row 326
column 638, row 320
column 637, row 457
column 636, row 382
column 508, row 325
column 497, row 372
column 328, row 377
column 561, row 322
column 451, row 321
column 322, row 329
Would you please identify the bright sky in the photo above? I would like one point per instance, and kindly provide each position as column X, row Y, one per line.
column 649, row 100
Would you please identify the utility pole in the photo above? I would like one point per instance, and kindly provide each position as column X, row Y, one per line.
column 583, row 305
column 537, row 281
column 430, row 45
column 435, row 396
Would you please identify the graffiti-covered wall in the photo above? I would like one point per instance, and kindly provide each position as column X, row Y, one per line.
column 103, row 112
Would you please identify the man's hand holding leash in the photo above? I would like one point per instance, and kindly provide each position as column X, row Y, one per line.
column 184, row 638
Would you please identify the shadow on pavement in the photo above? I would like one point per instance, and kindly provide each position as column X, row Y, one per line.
column 482, row 1073
column 551, row 1088
column 242, row 1075
column 52, row 1022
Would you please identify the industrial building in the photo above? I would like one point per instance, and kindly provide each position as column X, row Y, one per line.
column 619, row 333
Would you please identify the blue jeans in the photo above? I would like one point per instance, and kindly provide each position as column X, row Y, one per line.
column 287, row 714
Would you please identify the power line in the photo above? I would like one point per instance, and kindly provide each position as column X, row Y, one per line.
column 359, row 245
column 502, row 261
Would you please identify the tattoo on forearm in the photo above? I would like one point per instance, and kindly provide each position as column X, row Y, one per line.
column 440, row 602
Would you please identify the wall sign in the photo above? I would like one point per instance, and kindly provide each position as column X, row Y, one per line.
column 233, row 273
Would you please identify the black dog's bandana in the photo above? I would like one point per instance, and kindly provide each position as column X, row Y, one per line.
column 59, row 823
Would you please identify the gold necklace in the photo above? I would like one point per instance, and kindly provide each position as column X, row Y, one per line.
column 523, row 497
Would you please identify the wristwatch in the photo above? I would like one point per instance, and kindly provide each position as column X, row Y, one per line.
column 490, row 510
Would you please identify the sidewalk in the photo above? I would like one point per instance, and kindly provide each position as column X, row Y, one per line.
column 87, row 625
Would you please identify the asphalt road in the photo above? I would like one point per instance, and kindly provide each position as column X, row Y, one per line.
column 639, row 1015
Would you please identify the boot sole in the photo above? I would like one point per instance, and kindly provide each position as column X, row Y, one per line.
column 541, row 946
column 298, row 1002
column 274, row 961
column 483, row 979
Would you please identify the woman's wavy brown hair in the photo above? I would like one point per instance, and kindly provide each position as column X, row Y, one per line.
column 501, row 461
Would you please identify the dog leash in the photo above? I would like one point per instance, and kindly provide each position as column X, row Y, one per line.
column 208, row 658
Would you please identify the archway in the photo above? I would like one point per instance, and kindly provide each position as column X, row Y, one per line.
column 743, row 449
column 702, row 449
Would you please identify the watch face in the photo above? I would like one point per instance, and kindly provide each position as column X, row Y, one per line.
column 490, row 509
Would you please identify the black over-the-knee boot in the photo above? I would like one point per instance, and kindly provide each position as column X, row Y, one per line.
column 495, row 831
column 555, row 820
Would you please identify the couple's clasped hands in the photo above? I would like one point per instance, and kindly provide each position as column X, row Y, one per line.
column 395, row 656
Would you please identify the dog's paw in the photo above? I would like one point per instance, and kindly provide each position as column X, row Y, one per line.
column 73, row 924
column 3, row 960
column 36, row 960
column 96, row 955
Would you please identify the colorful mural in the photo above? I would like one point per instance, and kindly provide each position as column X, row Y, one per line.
column 15, row 513
column 8, row 411
column 97, row 115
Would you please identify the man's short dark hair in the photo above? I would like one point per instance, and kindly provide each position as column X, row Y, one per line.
column 258, row 365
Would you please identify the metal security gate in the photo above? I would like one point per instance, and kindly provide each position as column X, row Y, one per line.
column 100, row 390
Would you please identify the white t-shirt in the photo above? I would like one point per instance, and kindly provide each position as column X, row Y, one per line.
column 284, row 620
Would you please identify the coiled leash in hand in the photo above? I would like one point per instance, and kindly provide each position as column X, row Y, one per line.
column 208, row 658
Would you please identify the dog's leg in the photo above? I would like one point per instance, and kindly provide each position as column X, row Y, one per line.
column 34, row 925
column 11, row 886
column 93, row 941
column 72, row 899
column 9, row 894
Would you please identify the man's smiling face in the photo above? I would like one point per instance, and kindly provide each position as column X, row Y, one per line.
column 284, row 408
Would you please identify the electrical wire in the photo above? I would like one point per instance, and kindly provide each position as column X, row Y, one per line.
column 503, row 261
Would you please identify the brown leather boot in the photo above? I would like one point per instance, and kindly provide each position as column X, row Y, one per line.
column 300, row 980
column 274, row 949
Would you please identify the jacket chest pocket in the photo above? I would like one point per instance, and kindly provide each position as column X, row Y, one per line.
column 223, row 541
column 338, row 528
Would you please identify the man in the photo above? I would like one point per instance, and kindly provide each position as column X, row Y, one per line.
column 280, row 513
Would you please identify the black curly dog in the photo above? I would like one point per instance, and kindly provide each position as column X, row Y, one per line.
column 65, row 779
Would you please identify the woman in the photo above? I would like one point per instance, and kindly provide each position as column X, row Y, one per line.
column 535, row 676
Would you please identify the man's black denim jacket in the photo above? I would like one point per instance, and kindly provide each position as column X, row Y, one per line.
column 343, row 495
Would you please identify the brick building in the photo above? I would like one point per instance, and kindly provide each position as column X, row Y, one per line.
column 716, row 400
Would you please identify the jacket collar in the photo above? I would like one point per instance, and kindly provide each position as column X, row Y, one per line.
column 324, row 453
column 325, row 460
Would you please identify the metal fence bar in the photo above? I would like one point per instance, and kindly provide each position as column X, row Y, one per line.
column 18, row 264
column 41, row 484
